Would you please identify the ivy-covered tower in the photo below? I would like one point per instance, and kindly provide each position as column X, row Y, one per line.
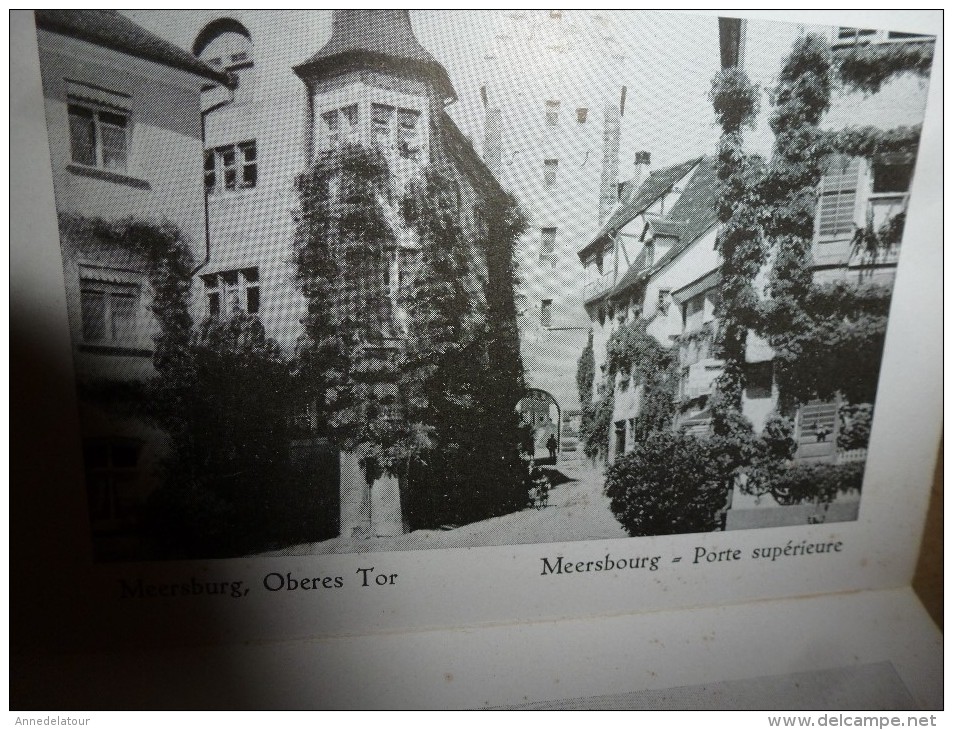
column 404, row 256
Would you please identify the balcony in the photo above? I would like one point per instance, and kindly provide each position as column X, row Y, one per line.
column 599, row 286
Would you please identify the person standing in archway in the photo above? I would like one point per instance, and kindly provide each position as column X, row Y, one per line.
column 551, row 444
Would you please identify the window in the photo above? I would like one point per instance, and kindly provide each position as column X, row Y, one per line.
column 98, row 138
column 396, row 129
column 581, row 115
column 552, row 113
column 838, row 198
column 339, row 126
column 408, row 135
column 891, row 178
column 109, row 311
column 619, row 437
column 224, row 44
column 759, row 376
column 547, row 243
column 111, row 472
column 663, row 300
column 549, row 172
column 232, row 167
column 382, row 120
column 855, row 34
column 232, row 291
column 546, row 313
column 861, row 36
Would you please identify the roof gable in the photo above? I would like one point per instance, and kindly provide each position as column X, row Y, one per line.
column 693, row 215
column 639, row 200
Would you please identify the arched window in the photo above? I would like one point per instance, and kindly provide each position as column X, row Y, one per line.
column 225, row 44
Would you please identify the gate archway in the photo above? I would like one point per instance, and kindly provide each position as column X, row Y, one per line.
column 540, row 410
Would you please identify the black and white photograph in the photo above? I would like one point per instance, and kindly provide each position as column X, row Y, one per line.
column 380, row 280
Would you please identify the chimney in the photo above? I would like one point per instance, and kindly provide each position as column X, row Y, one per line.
column 731, row 37
column 643, row 160
column 609, row 187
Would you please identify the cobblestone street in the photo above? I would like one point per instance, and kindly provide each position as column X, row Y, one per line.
column 577, row 510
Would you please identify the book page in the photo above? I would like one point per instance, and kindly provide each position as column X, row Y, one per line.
column 312, row 345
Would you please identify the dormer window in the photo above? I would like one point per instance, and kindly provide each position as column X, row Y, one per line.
column 225, row 43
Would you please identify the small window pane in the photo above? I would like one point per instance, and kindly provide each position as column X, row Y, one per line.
column 230, row 178
column 547, row 242
column 213, row 305
column 892, row 178
column 93, row 306
column 114, row 146
column 350, row 115
column 249, row 176
column 123, row 317
column 228, row 156
column 114, row 120
column 253, row 300
column 248, row 151
column 408, row 118
column 82, row 135
column 381, row 114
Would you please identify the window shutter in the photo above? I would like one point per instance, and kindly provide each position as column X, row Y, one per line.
column 838, row 196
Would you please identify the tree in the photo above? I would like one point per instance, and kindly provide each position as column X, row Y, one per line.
column 229, row 487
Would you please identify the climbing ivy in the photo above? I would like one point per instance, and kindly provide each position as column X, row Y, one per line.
column 867, row 67
column 739, row 242
column 428, row 398
column 343, row 243
column 869, row 141
column 586, row 372
column 633, row 357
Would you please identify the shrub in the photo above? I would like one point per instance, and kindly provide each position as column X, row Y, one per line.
column 856, row 421
column 669, row 484
column 805, row 483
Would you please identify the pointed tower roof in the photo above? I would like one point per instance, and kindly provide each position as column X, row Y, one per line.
column 380, row 40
